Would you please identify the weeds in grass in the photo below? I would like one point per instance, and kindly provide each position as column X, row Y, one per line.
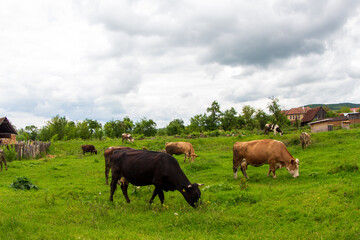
column 345, row 167
column 23, row 183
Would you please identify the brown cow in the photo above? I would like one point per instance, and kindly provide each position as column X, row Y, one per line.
column 89, row 148
column 127, row 136
column 258, row 152
column 305, row 140
column 107, row 154
column 179, row 148
column 2, row 159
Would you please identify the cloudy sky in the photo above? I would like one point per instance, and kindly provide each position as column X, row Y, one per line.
column 165, row 60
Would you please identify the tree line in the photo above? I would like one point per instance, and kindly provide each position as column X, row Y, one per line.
column 213, row 120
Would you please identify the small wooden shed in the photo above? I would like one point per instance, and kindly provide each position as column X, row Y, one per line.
column 328, row 124
column 7, row 132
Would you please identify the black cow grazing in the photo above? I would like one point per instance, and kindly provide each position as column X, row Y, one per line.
column 2, row 159
column 141, row 168
column 89, row 148
column 273, row 127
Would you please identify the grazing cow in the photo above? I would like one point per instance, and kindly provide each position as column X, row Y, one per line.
column 258, row 152
column 107, row 154
column 305, row 140
column 179, row 148
column 89, row 148
column 127, row 136
column 2, row 159
column 141, row 168
column 273, row 127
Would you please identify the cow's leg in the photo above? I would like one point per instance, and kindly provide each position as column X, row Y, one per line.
column 244, row 167
column 272, row 168
column 154, row 195
column 236, row 164
column 185, row 157
column 124, row 187
column 107, row 170
column 161, row 195
column 113, row 186
column 1, row 165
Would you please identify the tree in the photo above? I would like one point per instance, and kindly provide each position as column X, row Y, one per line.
column 197, row 123
column 277, row 116
column 82, row 130
column 93, row 124
column 146, row 127
column 261, row 118
column 32, row 132
column 175, row 127
column 228, row 120
column 114, row 128
column 213, row 120
column 128, row 124
column 248, row 113
column 56, row 127
column 344, row 110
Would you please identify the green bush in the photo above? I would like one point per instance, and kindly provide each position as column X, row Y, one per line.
column 10, row 154
column 23, row 183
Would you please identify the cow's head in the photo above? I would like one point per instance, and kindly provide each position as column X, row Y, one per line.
column 279, row 130
column 293, row 167
column 192, row 194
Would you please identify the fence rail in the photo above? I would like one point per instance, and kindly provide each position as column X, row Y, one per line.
column 30, row 149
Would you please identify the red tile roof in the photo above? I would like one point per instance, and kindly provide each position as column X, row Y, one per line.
column 299, row 110
column 310, row 114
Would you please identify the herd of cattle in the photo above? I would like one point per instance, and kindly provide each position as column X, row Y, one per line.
column 163, row 171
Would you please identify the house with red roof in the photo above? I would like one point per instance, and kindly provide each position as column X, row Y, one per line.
column 313, row 114
column 296, row 114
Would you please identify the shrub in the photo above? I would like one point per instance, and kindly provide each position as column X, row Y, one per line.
column 10, row 154
column 23, row 183
column 294, row 140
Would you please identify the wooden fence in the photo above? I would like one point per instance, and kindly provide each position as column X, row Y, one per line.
column 29, row 149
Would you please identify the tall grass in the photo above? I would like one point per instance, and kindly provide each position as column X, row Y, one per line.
column 72, row 199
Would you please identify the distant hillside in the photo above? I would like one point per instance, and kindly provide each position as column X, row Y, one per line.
column 336, row 106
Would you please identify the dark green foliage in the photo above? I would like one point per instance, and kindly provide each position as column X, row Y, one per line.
column 10, row 154
column 23, row 183
column 175, row 127
column 146, row 127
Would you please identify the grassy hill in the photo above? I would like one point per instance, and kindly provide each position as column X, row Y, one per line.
column 336, row 106
column 72, row 199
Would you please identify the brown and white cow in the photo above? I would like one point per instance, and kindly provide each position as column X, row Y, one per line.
column 305, row 139
column 107, row 154
column 127, row 137
column 259, row 152
column 179, row 148
column 2, row 159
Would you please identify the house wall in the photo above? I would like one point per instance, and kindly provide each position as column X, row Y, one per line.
column 323, row 126
column 319, row 127
column 11, row 140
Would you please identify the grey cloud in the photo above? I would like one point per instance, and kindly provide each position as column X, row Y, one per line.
column 232, row 33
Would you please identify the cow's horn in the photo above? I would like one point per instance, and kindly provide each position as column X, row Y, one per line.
column 190, row 186
column 200, row 184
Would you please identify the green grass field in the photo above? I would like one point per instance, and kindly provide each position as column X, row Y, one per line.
column 72, row 199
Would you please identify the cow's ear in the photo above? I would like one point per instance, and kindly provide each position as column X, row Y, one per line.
column 183, row 189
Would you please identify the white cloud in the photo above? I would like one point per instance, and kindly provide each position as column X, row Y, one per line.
column 106, row 60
